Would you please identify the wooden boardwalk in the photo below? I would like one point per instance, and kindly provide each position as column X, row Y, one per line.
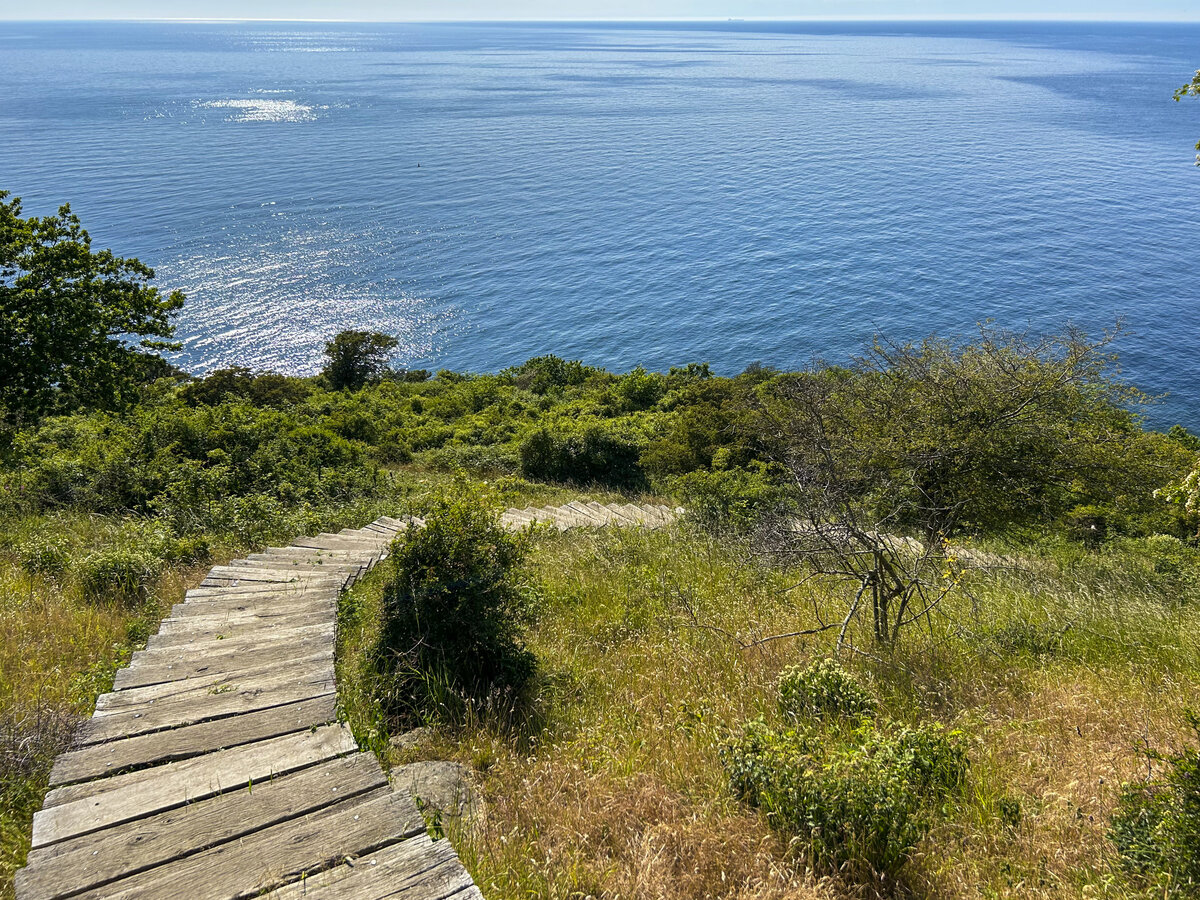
column 216, row 768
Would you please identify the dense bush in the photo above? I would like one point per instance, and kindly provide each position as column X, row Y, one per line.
column 859, row 803
column 1156, row 827
column 823, row 690
column 587, row 453
column 726, row 499
column 240, row 383
column 454, row 605
column 855, row 797
column 119, row 573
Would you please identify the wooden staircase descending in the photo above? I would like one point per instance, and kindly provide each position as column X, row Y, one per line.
column 216, row 768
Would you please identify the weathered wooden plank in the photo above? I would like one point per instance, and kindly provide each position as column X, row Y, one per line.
column 417, row 867
column 260, row 587
column 79, row 809
column 275, row 855
column 100, row 857
column 336, row 543
column 333, row 564
column 180, row 697
column 203, row 618
column 143, row 671
column 316, row 668
column 381, row 529
column 206, row 607
column 297, row 565
column 264, row 627
column 619, row 514
column 586, row 511
column 191, row 711
column 117, row 756
column 221, row 576
column 406, row 522
column 284, row 552
column 253, row 637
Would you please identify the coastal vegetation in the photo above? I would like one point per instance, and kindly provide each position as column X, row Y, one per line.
column 928, row 626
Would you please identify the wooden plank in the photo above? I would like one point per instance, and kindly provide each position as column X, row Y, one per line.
column 261, row 637
column 587, row 512
column 79, row 809
column 265, row 588
column 117, row 756
column 417, row 867
column 283, row 552
column 619, row 514
column 315, row 668
column 180, row 649
column 334, row 564
column 406, row 522
column 269, row 574
column 191, row 711
column 264, row 627
column 220, row 576
column 275, row 855
column 335, row 543
column 179, row 697
column 300, row 565
column 143, row 671
column 96, row 859
column 203, row 606
column 381, row 529
column 235, row 617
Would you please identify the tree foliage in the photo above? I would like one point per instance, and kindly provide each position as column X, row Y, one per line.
column 1191, row 89
column 67, row 315
column 888, row 458
column 357, row 358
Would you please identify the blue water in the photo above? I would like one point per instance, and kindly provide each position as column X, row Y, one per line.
column 627, row 194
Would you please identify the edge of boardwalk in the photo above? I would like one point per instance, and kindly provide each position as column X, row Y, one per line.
column 216, row 768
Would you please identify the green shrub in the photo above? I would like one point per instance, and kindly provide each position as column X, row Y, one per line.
column 454, row 606
column 823, row 690
column 43, row 557
column 238, row 382
column 477, row 460
column 725, row 500
column 1092, row 525
column 591, row 453
column 858, row 805
column 118, row 573
column 544, row 373
column 1156, row 827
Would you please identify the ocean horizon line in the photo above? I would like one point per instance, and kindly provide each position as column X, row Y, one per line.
column 1031, row 19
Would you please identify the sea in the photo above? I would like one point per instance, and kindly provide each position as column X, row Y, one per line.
column 630, row 193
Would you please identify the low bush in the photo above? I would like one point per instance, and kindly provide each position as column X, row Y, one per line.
column 725, row 499
column 118, row 573
column 43, row 557
column 592, row 453
column 453, row 609
column 1156, row 828
column 859, row 805
column 823, row 690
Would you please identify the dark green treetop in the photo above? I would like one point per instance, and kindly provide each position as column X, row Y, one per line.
column 357, row 358
column 67, row 315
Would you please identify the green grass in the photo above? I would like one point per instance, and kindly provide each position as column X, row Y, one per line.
column 648, row 661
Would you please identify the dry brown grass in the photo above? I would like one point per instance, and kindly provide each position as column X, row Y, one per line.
column 58, row 652
column 622, row 794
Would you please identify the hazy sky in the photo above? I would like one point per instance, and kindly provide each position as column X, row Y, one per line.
column 401, row 10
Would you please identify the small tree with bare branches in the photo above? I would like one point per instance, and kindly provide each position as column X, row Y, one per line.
column 888, row 458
